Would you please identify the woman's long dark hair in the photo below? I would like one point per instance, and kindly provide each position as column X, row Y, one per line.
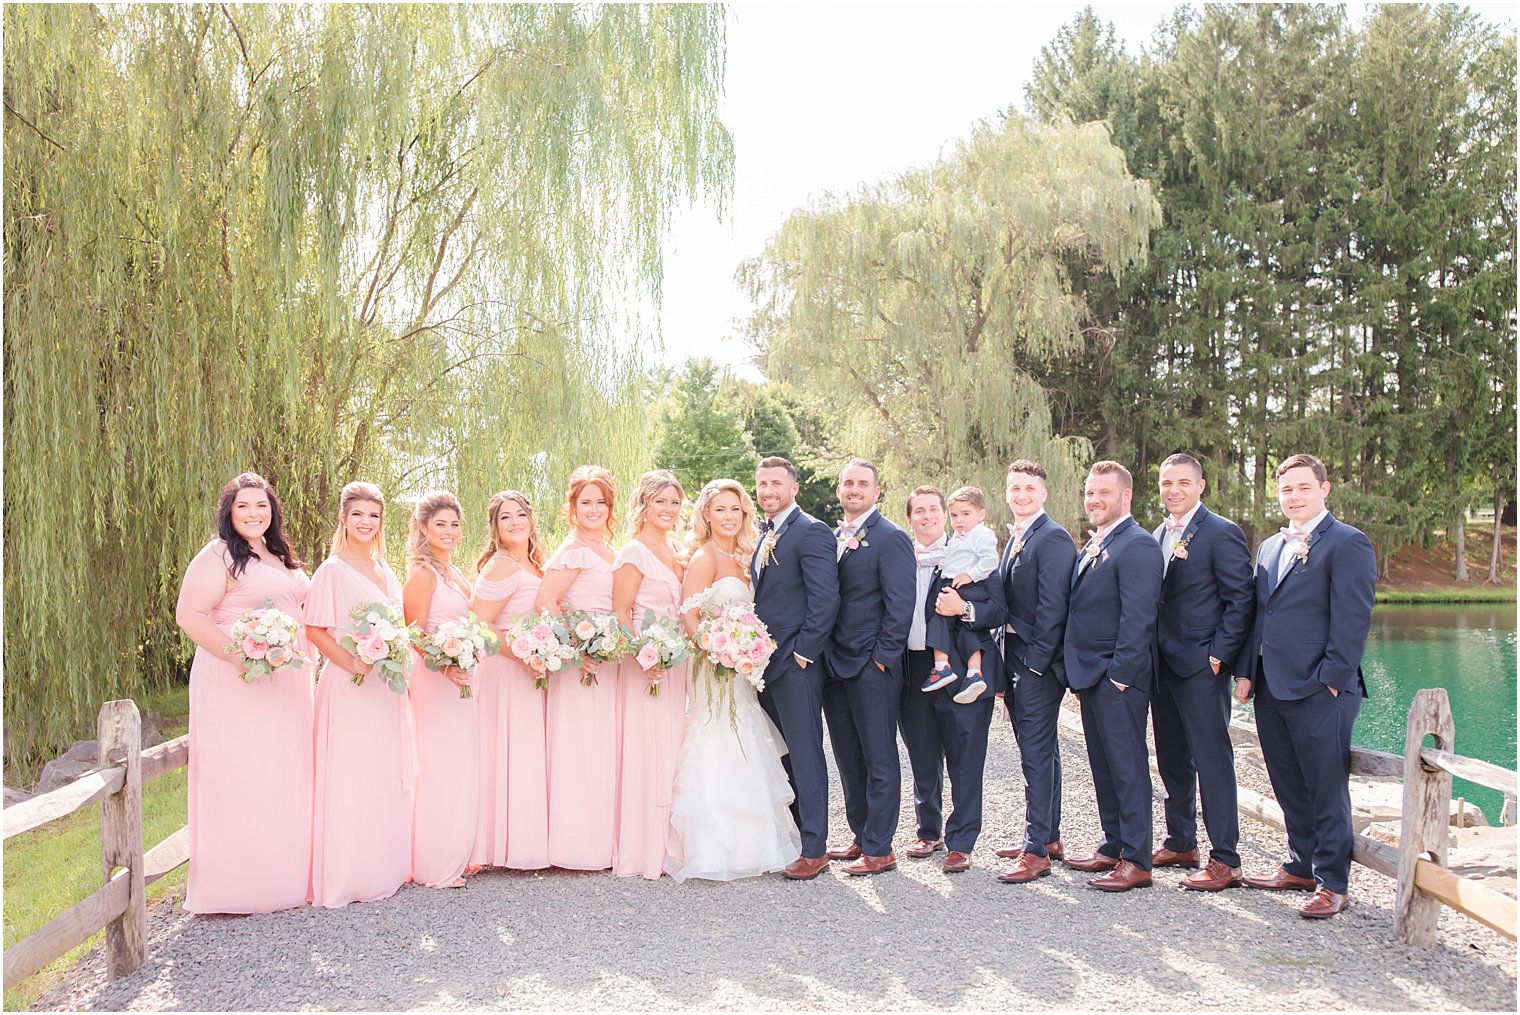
column 274, row 536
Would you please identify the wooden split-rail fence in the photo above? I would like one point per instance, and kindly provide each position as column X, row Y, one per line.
column 1417, row 864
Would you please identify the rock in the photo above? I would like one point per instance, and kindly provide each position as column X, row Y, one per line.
column 151, row 736
column 1375, row 803
column 81, row 759
column 1467, row 815
column 1482, row 851
column 15, row 796
column 1383, row 831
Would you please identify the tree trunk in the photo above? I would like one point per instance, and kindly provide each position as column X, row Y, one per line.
column 1496, row 558
column 1461, row 574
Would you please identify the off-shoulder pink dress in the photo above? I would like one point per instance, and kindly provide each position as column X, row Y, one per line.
column 513, row 825
column 582, row 735
column 362, row 825
column 250, row 765
column 650, row 729
column 448, row 759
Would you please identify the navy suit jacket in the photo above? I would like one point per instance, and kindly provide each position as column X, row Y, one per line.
column 877, row 583
column 797, row 593
column 1207, row 597
column 1111, row 627
column 1311, row 629
column 1037, row 588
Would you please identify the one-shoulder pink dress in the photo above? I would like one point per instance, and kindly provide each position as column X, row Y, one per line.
column 650, row 729
column 448, row 759
column 513, row 825
column 582, row 735
column 250, row 765
column 362, row 815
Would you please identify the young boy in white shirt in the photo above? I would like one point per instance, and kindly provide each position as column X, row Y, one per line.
column 969, row 557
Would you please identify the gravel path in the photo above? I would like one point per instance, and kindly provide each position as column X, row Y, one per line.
column 914, row 939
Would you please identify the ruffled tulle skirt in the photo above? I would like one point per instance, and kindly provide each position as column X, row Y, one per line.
column 730, row 811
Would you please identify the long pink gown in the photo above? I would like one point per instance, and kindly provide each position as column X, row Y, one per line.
column 448, row 759
column 362, row 826
column 650, row 729
column 513, row 825
column 250, row 765
column 582, row 736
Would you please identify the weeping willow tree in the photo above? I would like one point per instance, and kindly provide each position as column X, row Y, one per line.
column 913, row 308
column 325, row 243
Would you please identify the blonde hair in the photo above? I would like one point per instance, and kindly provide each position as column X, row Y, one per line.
column 701, row 531
column 968, row 495
column 355, row 492
column 579, row 479
column 419, row 551
column 494, row 545
column 651, row 485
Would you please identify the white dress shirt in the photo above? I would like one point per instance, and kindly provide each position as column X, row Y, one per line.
column 917, row 630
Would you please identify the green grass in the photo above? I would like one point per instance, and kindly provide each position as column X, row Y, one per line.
column 52, row 868
column 1476, row 594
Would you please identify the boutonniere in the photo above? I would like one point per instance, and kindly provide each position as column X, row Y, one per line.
column 856, row 541
column 1015, row 542
column 768, row 549
column 1094, row 544
column 1179, row 552
column 1301, row 550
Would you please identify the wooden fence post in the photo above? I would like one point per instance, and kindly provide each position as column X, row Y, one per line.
column 1425, row 826
column 121, row 839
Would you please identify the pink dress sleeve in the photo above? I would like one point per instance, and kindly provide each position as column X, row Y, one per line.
column 571, row 557
column 637, row 554
column 327, row 599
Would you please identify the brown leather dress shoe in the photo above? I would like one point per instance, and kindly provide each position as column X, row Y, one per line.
column 1164, row 857
column 806, row 868
column 1011, row 853
column 925, row 847
column 1096, row 862
column 850, row 852
column 1025, row 868
column 871, row 865
column 1280, row 880
column 1216, row 877
column 1122, row 878
column 955, row 862
column 1324, row 905
column 1055, row 850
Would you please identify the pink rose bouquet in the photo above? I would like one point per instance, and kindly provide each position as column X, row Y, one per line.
column 657, row 647
column 381, row 639
column 736, row 642
column 540, row 642
column 265, row 642
column 461, row 643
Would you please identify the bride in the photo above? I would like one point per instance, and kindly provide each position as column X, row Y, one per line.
column 730, row 809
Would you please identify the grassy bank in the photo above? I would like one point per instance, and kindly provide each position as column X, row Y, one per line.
column 1476, row 594
column 50, row 869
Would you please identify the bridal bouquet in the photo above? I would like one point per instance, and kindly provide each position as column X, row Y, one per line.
column 541, row 643
column 598, row 636
column 265, row 642
column 381, row 639
column 461, row 643
column 736, row 642
column 657, row 647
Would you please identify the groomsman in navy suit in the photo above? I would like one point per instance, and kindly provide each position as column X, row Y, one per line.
column 1110, row 658
column 1314, row 591
column 797, row 597
column 1207, row 598
column 938, row 731
column 1036, row 572
column 864, row 667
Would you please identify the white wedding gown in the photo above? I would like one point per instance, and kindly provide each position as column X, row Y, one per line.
column 729, row 811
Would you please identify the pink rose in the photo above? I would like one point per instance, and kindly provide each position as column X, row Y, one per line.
column 852, row 543
column 521, row 648
column 745, row 667
column 584, row 630
column 278, row 656
column 453, row 647
column 720, row 641
column 254, row 649
column 648, row 656
column 543, row 634
column 759, row 650
column 373, row 648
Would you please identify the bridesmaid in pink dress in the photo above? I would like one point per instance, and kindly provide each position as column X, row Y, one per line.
column 582, row 719
column 250, row 744
column 647, row 577
column 448, row 736
column 513, row 825
column 362, row 824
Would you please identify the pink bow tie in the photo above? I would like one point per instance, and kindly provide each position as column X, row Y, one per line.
column 1292, row 536
column 1172, row 526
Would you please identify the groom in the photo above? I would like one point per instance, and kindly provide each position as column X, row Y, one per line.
column 797, row 597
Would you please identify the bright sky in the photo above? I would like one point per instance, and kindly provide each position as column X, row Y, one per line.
column 825, row 97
